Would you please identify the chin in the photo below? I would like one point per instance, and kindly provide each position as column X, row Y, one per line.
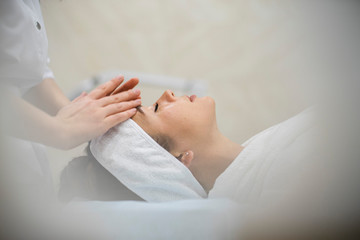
column 210, row 102
column 209, row 105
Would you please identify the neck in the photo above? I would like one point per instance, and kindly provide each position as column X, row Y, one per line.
column 215, row 156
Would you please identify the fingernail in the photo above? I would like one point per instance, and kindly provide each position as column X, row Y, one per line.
column 137, row 101
column 136, row 91
column 133, row 110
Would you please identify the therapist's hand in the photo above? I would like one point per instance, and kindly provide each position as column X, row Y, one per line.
column 91, row 115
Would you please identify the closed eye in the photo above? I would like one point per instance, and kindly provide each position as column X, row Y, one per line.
column 156, row 107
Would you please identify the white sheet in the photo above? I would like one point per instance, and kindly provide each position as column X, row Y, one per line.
column 270, row 161
column 186, row 219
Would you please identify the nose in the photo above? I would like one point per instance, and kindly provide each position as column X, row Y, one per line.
column 168, row 96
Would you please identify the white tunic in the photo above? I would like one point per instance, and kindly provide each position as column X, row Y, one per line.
column 23, row 44
column 23, row 65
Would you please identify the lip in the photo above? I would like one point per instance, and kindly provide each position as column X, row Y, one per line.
column 192, row 98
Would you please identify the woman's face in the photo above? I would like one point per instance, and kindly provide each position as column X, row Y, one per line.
column 186, row 120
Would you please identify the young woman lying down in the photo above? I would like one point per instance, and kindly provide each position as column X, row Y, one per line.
column 174, row 150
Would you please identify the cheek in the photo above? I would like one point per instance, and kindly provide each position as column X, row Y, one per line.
column 177, row 120
column 189, row 120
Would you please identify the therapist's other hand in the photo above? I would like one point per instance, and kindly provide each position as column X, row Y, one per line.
column 91, row 115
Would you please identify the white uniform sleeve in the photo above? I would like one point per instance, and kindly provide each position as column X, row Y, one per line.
column 48, row 73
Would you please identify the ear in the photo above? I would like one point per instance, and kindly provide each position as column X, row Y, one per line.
column 187, row 157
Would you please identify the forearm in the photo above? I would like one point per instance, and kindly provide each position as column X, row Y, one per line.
column 25, row 121
column 47, row 96
column 79, row 121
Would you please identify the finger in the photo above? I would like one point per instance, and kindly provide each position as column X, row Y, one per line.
column 115, row 119
column 121, row 107
column 106, row 88
column 83, row 94
column 126, row 86
column 120, row 97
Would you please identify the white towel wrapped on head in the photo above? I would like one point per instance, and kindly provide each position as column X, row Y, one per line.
column 143, row 166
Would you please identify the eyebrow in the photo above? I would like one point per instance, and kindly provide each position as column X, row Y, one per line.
column 139, row 109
